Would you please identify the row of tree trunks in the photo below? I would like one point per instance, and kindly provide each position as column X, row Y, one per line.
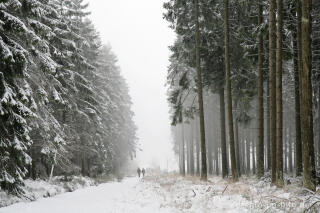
column 278, row 148
column 248, row 146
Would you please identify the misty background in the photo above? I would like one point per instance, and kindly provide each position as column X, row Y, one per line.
column 143, row 59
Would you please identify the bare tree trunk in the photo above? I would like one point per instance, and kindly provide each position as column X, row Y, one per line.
column 217, row 160
column 298, row 69
column 83, row 167
column 237, row 147
column 223, row 134
column 200, row 96
column 267, row 106
column 229, row 96
column 253, row 154
column 183, row 161
column 228, row 153
column 268, row 127
column 188, row 154
column 272, row 79
column 191, row 148
column 285, row 150
column 210, row 159
column 52, row 167
column 177, row 135
column 248, row 154
column 260, row 148
column 309, row 172
column 197, row 148
column 242, row 154
column 294, row 157
column 319, row 126
column 290, row 149
column 279, row 117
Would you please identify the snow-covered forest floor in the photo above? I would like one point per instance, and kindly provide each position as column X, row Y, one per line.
column 171, row 193
column 36, row 189
column 218, row 195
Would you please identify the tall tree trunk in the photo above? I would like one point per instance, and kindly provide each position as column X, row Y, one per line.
column 309, row 172
column 290, row 148
column 237, row 147
column 268, row 127
column 216, row 155
column 319, row 126
column 285, row 150
column 267, row 106
column 183, row 161
column 210, row 159
column 229, row 96
column 253, row 153
column 200, row 96
column 186, row 141
column 272, row 79
column 180, row 149
column 294, row 156
column 228, row 153
column 223, row 134
column 191, row 148
column 248, row 154
column 242, row 154
column 177, row 133
column 260, row 148
column 83, row 167
column 188, row 153
column 88, row 167
column 212, row 142
column 297, row 70
column 197, row 148
column 279, row 106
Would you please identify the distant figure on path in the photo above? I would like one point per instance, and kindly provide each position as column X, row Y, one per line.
column 143, row 172
column 138, row 171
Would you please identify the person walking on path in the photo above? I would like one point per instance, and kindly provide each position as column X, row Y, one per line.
column 139, row 172
column 143, row 172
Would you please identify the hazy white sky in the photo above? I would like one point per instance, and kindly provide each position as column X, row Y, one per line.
column 140, row 38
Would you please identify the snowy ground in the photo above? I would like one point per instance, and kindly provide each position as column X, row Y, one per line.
column 36, row 189
column 164, row 194
column 131, row 195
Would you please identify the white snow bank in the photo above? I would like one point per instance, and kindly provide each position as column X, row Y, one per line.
column 35, row 189
column 132, row 195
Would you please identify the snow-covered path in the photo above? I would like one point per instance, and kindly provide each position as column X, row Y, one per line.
column 122, row 197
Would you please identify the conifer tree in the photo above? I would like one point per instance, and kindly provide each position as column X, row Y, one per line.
column 15, row 97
